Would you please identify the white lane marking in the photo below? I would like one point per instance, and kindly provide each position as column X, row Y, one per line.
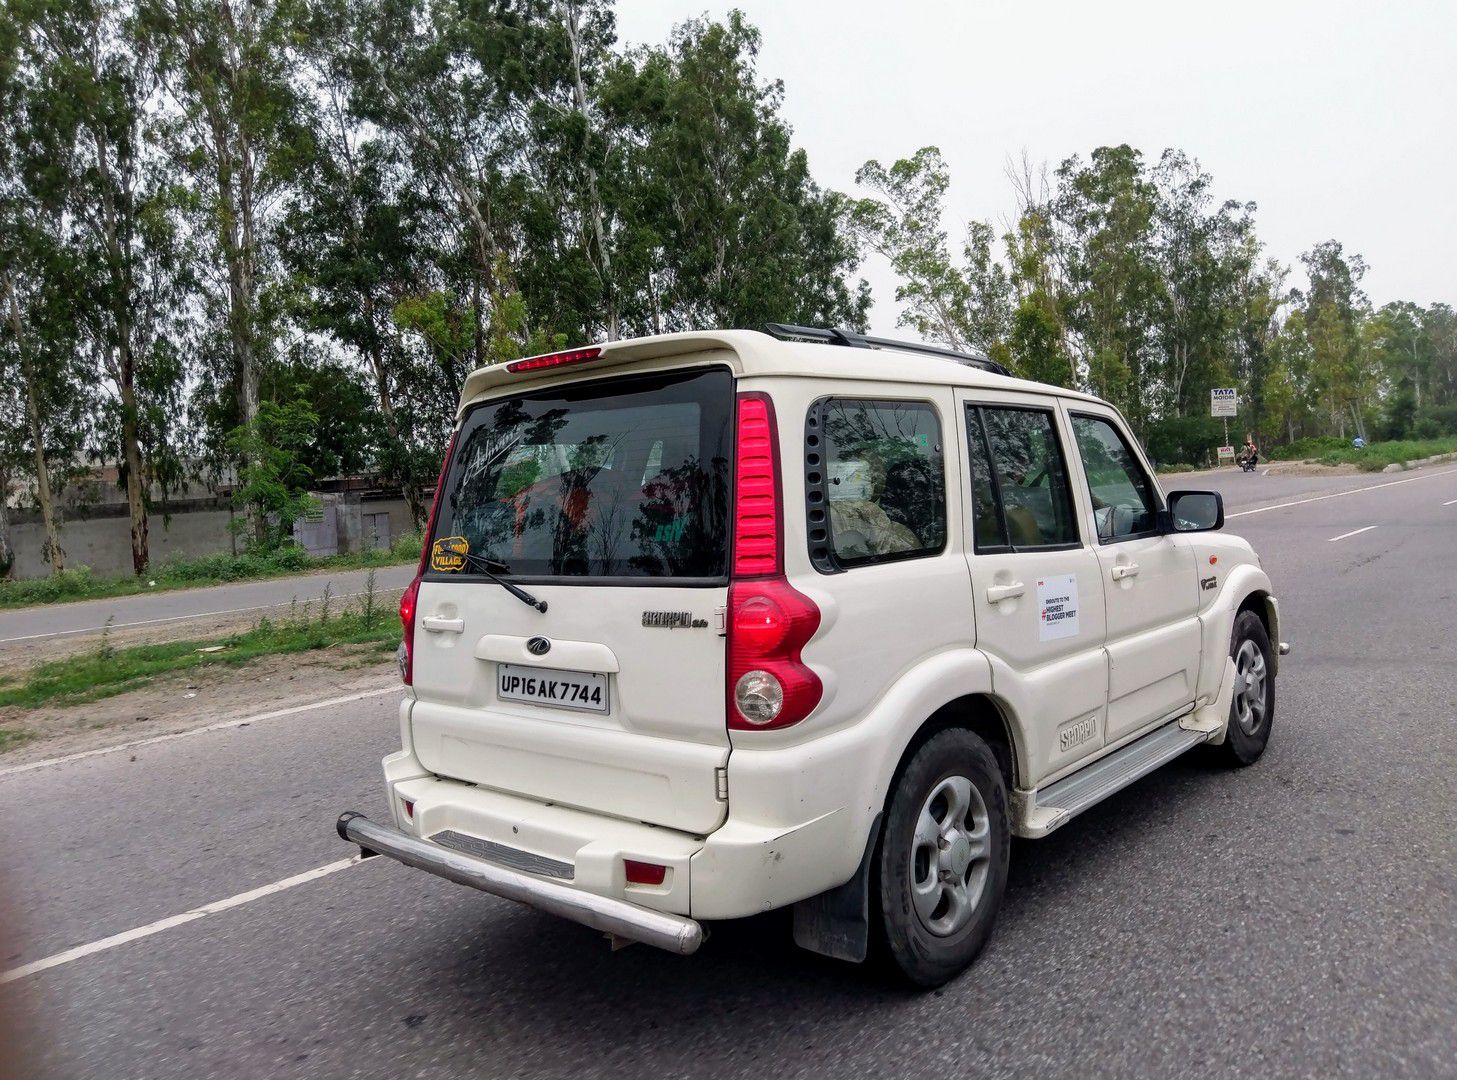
column 221, row 725
column 80, row 951
column 1338, row 494
column 1353, row 532
column 194, row 615
column 1450, row 502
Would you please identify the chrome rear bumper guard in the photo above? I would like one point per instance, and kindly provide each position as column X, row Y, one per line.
column 674, row 933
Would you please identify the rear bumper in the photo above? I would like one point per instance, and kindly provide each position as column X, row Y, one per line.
column 675, row 933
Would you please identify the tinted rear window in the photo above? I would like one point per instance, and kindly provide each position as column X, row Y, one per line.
column 627, row 477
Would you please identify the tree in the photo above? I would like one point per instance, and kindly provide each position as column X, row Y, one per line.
column 1107, row 208
column 1335, row 308
column 93, row 79
column 722, row 223
column 236, row 135
column 46, row 396
column 965, row 306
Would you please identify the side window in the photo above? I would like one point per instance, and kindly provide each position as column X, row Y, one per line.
column 1124, row 503
column 1021, row 498
column 875, row 478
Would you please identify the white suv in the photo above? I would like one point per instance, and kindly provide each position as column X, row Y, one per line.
column 714, row 623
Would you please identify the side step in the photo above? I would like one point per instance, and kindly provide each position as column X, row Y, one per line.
column 1057, row 804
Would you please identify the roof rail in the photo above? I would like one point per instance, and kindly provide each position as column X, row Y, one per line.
column 836, row 336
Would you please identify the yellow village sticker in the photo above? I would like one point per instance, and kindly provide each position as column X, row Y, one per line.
column 448, row 554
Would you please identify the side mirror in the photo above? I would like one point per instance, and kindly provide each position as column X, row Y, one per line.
column 1194, row 511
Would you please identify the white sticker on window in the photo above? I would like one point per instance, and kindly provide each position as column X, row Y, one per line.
column 849, row 479
column 1057, row 605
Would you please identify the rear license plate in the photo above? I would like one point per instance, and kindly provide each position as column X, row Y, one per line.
column 581, row 690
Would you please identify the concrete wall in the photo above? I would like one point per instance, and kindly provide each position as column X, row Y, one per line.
column 104, row 542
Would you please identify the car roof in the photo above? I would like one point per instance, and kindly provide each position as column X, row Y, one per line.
column 752, row 353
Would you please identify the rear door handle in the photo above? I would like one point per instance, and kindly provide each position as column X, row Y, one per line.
column 997, row 593
column 1126, row 570
column 436, row 625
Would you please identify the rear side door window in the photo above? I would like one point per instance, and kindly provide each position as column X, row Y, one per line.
column 875, row 479
column 1021, row 496
column 1124, row 503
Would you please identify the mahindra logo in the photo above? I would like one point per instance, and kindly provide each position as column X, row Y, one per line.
column 538, row 646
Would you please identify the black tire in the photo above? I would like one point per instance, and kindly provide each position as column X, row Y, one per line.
column 916, row 951
column 1243, row 742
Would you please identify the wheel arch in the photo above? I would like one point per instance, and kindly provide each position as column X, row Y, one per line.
column 1267, row 609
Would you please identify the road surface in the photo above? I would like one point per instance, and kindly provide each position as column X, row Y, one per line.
column 1291, row 919
column 19, row 625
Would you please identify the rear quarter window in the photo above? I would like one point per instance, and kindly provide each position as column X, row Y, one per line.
column 875, row 478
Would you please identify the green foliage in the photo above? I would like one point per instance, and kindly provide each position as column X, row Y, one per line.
column 1309, row 447
column 274, row 475
column 1185, row 439
column 1373, row 457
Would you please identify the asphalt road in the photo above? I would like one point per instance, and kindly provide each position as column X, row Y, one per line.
column 1291, row 919
column 18, row 625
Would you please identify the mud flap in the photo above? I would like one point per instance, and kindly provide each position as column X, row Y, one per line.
column 837, row 923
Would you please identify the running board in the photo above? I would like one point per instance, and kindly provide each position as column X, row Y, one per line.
column 1057, row 804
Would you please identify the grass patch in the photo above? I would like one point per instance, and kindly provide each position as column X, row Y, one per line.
column 106, row 670
column 79, row 583
column 1373, row 457
column 10, row 738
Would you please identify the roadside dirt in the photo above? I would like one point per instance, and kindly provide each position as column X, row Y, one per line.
column 188, row 699
column 1310, row 468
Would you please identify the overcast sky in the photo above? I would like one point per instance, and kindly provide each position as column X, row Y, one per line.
column 1338, row 118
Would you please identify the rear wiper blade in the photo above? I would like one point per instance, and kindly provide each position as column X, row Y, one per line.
column 485, row 567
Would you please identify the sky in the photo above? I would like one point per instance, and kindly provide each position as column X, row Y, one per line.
column 1338, row 119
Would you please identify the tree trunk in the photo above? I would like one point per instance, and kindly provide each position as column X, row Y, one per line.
column 52, row 551
column 136, row 498
column 7, row 552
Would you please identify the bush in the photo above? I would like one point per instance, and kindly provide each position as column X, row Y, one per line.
column 1184, row 438
column 70, row 584
column 407, row 546
column 1301, row 449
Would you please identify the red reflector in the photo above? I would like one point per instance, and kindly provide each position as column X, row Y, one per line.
column 556, row 359
column 756, row 489
column 644, row 873
column 409, row 808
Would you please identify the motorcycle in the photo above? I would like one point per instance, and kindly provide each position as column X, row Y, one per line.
column 1247, row 462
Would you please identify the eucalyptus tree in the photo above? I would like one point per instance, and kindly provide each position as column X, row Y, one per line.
column 1107, row 208
column 43, row 409
column 1335, row 308
column 1202, row 253
column 965, row 304
column 94, row 79
column 236, row 136
column 724, row 226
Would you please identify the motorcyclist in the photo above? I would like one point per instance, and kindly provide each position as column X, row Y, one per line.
column 1251, row 452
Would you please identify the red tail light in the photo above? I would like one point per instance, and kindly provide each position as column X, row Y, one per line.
column 769, row 621
column 757, row 540
column 556, row 359
column 412, row 591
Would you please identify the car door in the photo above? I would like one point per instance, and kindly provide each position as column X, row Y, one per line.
column 1150, row 587
column 1036, row 582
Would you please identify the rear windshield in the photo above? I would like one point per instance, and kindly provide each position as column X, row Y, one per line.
column 620, row 478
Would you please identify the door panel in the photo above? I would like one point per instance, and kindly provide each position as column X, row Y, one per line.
column 1037, row 588
column 1149, row 580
